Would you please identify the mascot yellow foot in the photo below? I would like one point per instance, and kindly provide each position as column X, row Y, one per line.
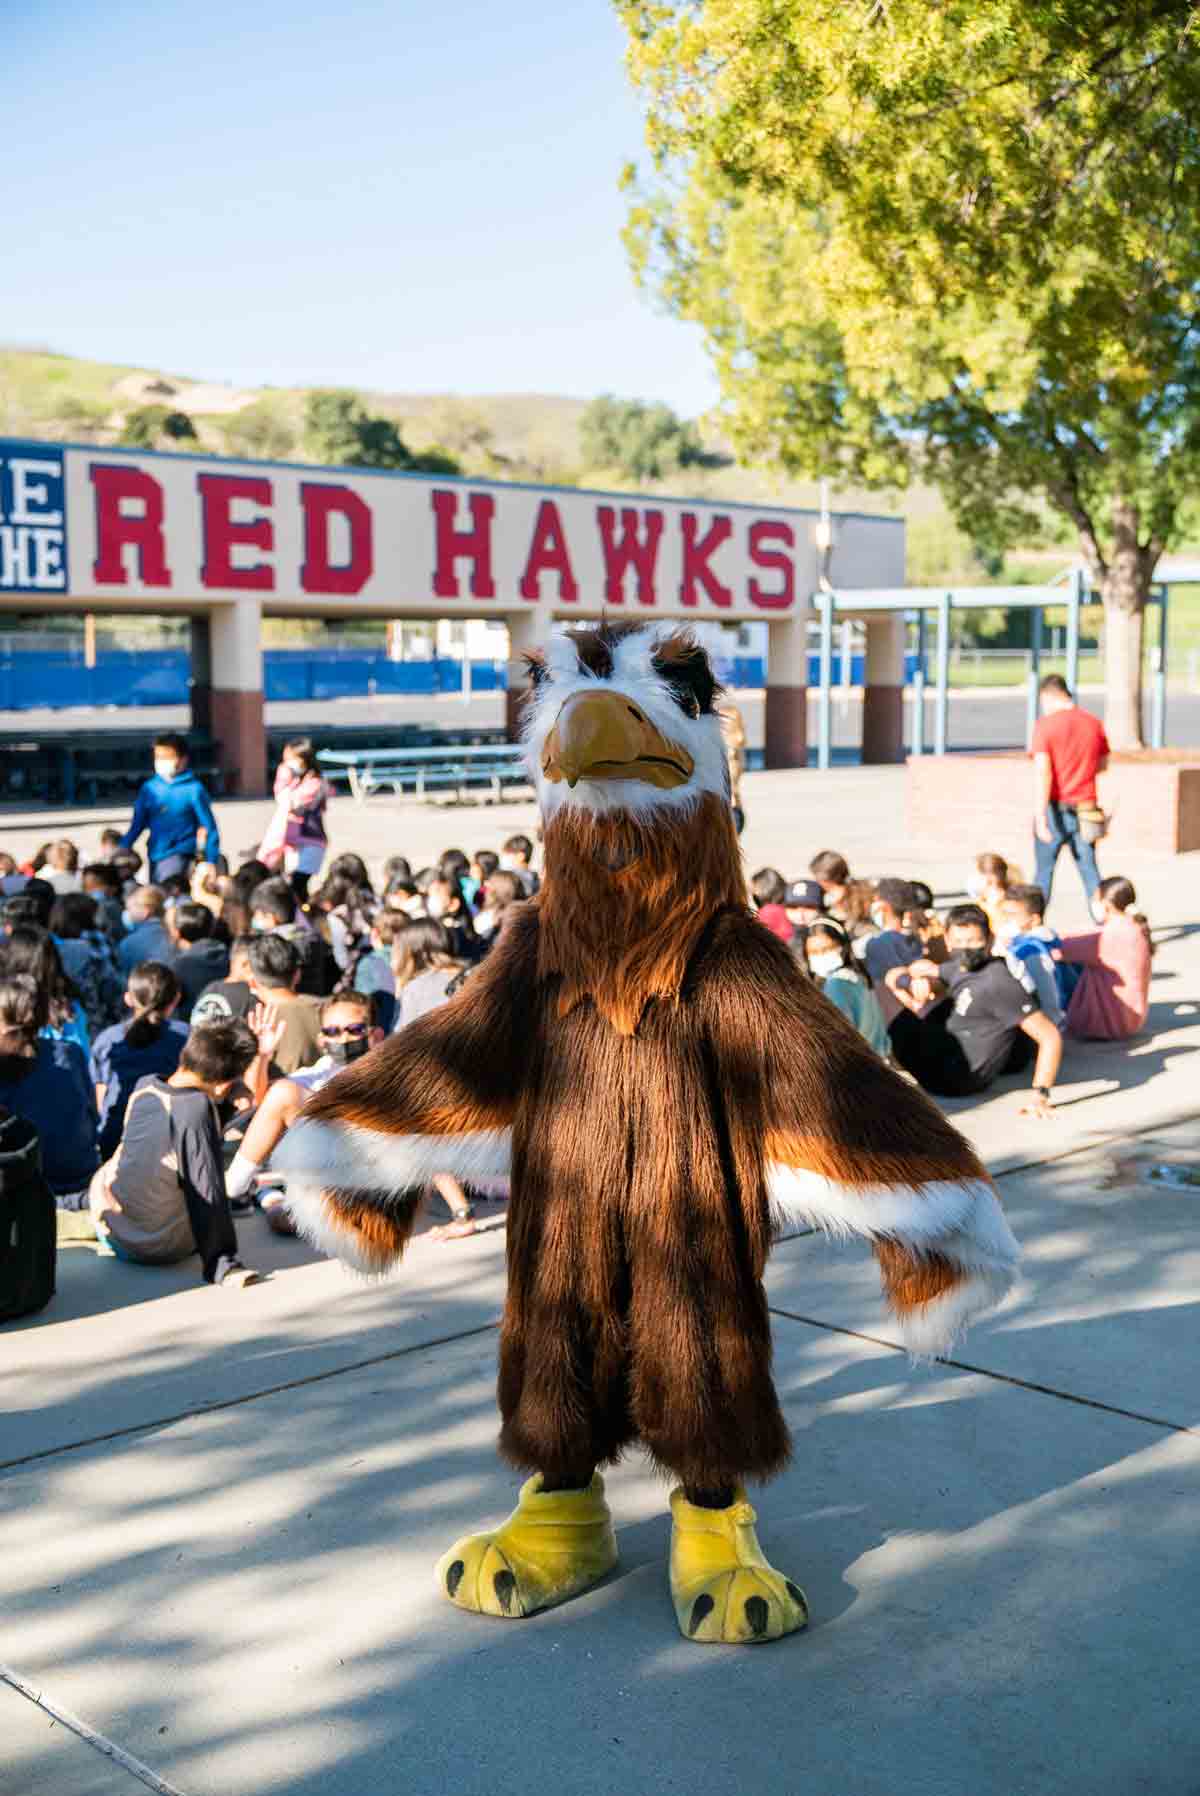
column 553, row 1545
column 724, row 1591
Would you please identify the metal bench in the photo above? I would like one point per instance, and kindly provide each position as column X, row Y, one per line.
column 423, row 770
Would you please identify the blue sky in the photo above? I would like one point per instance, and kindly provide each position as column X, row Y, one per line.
column 410, row 197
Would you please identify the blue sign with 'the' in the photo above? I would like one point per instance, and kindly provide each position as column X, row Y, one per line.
column 33, row 519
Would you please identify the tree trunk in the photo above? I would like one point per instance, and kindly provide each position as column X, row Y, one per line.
column 1123, row 628
column 1124, row 588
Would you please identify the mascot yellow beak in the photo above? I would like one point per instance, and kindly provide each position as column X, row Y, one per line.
column 606, row 736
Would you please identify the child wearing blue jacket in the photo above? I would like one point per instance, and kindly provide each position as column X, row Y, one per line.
column 173, row 806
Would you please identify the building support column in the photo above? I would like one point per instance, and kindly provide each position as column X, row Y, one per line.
column 785, row 714
column 883, row 691
column 236, row 702
column 200, row 675
column 525, row 632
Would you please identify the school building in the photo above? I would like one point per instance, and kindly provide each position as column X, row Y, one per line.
column 226, row 543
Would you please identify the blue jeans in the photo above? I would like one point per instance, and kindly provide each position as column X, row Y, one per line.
column 1064, row 832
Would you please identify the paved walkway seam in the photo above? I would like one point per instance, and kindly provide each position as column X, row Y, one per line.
column 1172, row 1119
column 108, row 1748
column 271, row 1390
column 1025, row 1384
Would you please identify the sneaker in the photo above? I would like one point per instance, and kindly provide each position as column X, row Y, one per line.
column 234, row 1275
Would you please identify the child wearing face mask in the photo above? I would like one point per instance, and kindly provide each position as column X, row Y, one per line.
column 173, row 807
column 892, row 945
column 348, row 1031
column 295, row 840
column 516, row 856
column 831, row 964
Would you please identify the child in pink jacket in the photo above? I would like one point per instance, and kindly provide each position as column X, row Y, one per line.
column 1112, row 997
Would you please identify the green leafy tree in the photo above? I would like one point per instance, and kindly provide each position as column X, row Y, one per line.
column 260, row 430
column 640, row 441
column 960, row 242
column 433, row 461
column 339, row 429
column 156, row 427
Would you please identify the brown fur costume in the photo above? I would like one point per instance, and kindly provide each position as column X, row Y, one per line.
column 673, row 1084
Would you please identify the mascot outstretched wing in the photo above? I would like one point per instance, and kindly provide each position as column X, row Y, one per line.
column 848, row 1146
column 439, row 1097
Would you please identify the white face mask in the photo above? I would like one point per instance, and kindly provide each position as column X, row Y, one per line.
column 877, row 917
column 436, row 907
column 166, row 770
column 510, row 863
column 825, row 965
column 1099, row 914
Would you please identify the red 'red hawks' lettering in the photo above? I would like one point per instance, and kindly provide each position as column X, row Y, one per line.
column 776, row 561
column 221, row 534
column 453, row 545
column 115, row 484
column 319, row 572
column 629, row 550
column 696, row 557
column 548, row 554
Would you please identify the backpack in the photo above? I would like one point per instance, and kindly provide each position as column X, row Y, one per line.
column 28, row 1221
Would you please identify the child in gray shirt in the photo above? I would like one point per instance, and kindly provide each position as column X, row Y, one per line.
column 162, row 1195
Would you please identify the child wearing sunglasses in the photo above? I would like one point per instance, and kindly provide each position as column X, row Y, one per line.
column 347, row 1031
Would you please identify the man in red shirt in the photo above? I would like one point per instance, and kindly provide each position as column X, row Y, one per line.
column 1069, row 749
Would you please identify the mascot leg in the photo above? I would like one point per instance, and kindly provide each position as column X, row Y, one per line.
column 555, row 1544
column 724, row 1591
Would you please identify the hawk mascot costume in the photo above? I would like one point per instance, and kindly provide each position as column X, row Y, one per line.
column 665, row 1089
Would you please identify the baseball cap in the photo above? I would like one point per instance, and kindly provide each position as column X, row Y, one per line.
column 804, row 894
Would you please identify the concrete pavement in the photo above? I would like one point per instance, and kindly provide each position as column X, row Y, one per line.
column 1002, row 1578
column 222, row 1509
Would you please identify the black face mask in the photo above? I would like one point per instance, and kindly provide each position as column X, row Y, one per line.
column 343, row 1052
column 972, row 959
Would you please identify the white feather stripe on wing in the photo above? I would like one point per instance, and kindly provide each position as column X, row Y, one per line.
column 930, row 1330
column 317, row 1222
column 958, row 1218
column 347, row 1157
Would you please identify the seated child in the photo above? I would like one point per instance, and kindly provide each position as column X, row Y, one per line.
column 769, row 890
column 148, row 1042
column 1031, row 946
column 990, row 883
column 1112, row 997
column 162, row 1195
column 831, row 963
column 46, row 1081
column 349, row 1029
column 373, row 971
column 103, row 885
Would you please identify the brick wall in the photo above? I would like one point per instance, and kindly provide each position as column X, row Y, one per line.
column 977, row 802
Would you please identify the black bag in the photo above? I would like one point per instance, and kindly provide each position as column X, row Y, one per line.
column 28, row 1221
